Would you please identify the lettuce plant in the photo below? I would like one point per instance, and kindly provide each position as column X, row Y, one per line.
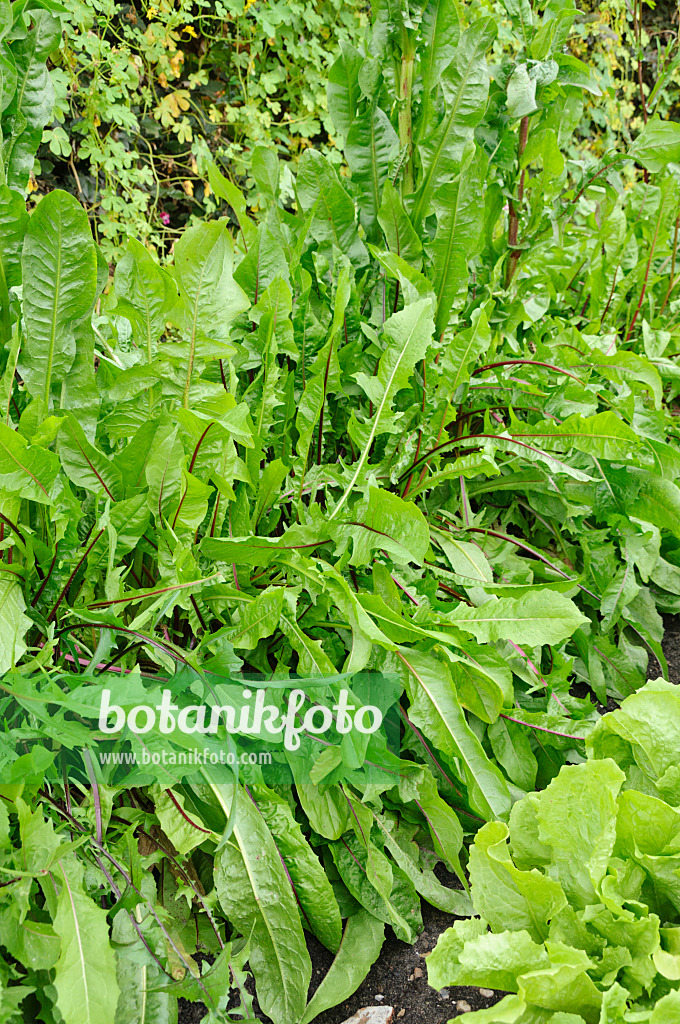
column 578, row 898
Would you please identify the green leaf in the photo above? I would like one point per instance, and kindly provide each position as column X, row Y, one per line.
column 255, row 895
column 657, row 145
column 263, row 550
column 326, row 762
column 84, row 464
column 14, row 624
column 535, row 618
column 326, row 808
column 386, row 522
column 312, row 659
column 145, row 293
column 28, row 471
column 31, row 107
column 87, row 988
column 505, row 896
column 258, row 619
column 465, row 85
column 343, row 89
column 573, row 72
column 657, row 502
column 468, row 561
column 334, row 216
column 436, row 711
column 263, row 263
column 319, row 910
column 440, row 33
column 577, row 818
column 33, row 943
column 59, row 269
column 645, row 730
column 13, row 222
column 400, row 908
column 521, row 92
column 459, row 206
column 513, row 752
column 139, row 975
column 460, row 355
column 210, row 298
column 408, row 335
column 371, row 145
column 183, row 835
column 400, row 234
column 361, row 943
column 265, row 170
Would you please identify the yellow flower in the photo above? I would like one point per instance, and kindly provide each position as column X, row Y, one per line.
column 32, row 185
column 190, row 31
column 188, row 187
column 151, row 12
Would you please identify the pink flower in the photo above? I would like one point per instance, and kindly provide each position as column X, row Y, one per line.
column 165, row 219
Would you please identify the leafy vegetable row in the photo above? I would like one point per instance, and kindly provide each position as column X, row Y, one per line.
column 417, row 422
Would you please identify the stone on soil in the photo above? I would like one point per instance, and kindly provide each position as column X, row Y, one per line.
column 372, row 1015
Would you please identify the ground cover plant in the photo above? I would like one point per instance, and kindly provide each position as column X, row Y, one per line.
column 417, row 422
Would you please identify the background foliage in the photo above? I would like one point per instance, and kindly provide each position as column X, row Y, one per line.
column 147, row 94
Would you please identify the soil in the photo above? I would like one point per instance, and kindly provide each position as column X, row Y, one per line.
column 399, row 977
column 671, row 648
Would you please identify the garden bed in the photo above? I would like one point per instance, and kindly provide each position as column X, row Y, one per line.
column 399, row 976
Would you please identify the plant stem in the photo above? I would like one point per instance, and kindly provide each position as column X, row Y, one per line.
column 644, row 283
column 671, row 281
column 513, row 210
column 405, row 115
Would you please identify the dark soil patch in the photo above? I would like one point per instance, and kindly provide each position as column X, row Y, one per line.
column 671, row 648
column 397, row 979
column 399, row 976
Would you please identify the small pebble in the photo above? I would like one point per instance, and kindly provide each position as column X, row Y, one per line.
column 378, row 998
column 444, row 994
column 418, row 972
column 401, row 1013
column 486, row 992
column 410, row 977
column 463, row 1006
